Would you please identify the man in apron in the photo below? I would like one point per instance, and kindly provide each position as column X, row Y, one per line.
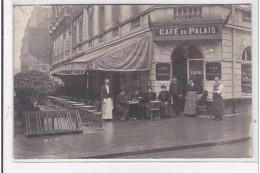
column 218, row 104
column 106, row 97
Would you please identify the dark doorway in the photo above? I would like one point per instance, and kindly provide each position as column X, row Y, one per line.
column 179, row 66
column 116, row 83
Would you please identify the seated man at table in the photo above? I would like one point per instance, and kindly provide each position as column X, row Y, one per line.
column 121, row 105
column 149, row 96
column 166, row 109
column 138, row 97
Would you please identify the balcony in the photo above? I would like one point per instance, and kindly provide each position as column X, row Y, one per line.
column 188, row 13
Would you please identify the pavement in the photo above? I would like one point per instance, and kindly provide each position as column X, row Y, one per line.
column 127, row 139
column 241, row 149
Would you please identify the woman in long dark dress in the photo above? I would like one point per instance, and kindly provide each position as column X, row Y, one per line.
column 165, row 98
column 191, row 99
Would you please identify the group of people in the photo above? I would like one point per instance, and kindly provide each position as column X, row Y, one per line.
column 170, row 101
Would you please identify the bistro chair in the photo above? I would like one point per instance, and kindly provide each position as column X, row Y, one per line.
column 98, row 115
column 154, row 107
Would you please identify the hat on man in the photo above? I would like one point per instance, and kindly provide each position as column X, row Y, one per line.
column 163, row 86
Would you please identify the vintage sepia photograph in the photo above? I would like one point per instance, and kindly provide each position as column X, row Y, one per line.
column 132, row 81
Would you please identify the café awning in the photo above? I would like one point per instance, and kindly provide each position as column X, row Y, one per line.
column 129, row 55
column 69, row 69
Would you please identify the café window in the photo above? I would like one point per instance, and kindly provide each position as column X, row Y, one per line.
column 246, row 71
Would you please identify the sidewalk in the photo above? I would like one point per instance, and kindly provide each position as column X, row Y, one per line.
column 133, row 137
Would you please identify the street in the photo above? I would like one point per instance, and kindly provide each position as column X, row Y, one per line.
column 234, row 150
column 129, row 138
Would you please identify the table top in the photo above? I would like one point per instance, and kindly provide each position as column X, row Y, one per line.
column 155, row 101
column 56, row 98
column 132, row 103
column 79, row 104
column 87, row 106
column 72, row 102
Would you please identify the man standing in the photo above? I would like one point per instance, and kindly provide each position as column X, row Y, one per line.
column 218, row 104
column 106, row 97
column 176, row 93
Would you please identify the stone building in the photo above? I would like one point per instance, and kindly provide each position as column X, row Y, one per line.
column 145, row 45
column 36, row 43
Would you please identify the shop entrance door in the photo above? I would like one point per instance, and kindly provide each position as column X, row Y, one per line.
column 187, row 63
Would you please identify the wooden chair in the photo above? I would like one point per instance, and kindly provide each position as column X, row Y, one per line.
column 155, row 109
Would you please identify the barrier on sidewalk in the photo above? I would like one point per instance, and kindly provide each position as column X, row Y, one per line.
column 40, row 123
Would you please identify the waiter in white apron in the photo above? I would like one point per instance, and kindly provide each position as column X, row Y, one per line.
column 106, row 97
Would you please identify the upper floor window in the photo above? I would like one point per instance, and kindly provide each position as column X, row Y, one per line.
column 101, row 19
column 74, row 33
column 90, row 12
column 80, row 32
column 246, row 17
column 135, row 9
column 116, row 14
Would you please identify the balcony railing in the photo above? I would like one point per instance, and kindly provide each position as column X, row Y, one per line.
column 187, row 13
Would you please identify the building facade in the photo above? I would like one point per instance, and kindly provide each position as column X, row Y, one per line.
column 36, row 43
column 145, row 45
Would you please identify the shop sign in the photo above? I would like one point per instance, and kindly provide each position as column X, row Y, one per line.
column 213, row 69
column 162, row 71
column 196, row 72
column 187, row 32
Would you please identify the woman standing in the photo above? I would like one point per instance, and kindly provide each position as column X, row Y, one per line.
column 165, row 98
column 218, row 104
column 191, row 99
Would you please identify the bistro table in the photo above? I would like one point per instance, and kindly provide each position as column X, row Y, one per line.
column 132, row 106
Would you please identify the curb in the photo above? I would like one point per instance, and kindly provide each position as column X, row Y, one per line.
column 206, row 144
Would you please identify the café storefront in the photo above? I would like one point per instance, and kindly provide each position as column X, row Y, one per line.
column 199, row 50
